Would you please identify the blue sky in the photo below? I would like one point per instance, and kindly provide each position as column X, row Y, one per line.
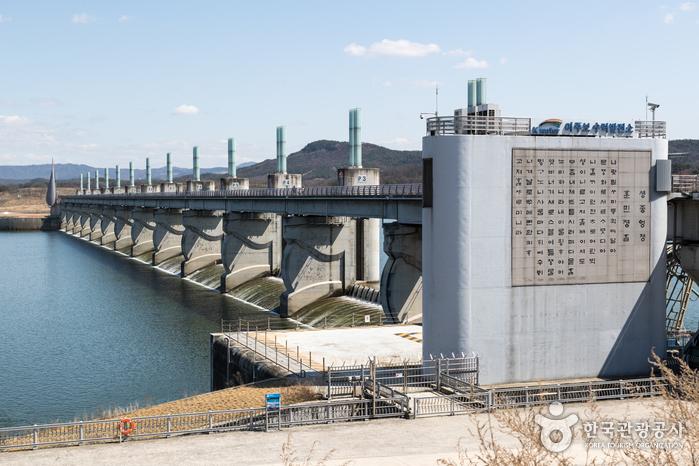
column 108, row 82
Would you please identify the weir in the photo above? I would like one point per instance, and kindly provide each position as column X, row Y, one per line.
column 142, row 230
column 201, row 241
column 122, row 228
column 318, row 259
column 401, row 280
column 95, row 233
column 167, row 237
column 107, row 226
column 251, row 247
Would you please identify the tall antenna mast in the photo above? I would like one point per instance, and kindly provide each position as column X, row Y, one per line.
column 436, row 99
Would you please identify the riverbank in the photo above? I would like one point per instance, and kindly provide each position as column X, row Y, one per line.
column 29, row 222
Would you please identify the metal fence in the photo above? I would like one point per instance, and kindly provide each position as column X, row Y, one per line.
column 483, row 400
column 409, row 190
column 477, row 124
column 77, row 433
column 685, row 183
column 651, row 129
column 346, row 380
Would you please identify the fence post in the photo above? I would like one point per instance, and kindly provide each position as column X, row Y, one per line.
column 211, row 421
column 490, row 400
column 169, row 425
column 558, row 389
column 621, row 389
column 451, row 399
column 276, row 352
column 82, row 432
column 35, row 437
column 266, row 420
column 373, row 387
column 405, row 377
column 439, row 375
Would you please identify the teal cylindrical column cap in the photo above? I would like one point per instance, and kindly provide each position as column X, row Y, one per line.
column 88, row 182
column 351, row 137
column 97, row 179
column 106, row 178
column 471, row 93
column 118, row 177
column 195, row 164
column 231, row 158
column 481, row 91
column 148, row 173
column 168, row 161
column 81, row 182
column 132, row 178
column 357, row 138
column 281, row 155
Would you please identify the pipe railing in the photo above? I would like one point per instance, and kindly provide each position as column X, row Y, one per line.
column 412, row 190
column 479, row 125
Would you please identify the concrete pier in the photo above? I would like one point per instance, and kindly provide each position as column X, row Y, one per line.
column 284, row 180
column 194, row 186
column 368, row 229
column 95, row 233
column 167, row 238
column 201, row 241
column 231, row 183
column 401, row 280
column 318, row 259
column 122, row 227
column 81, row 217
column 142, row 230
column 107, row 226
column 251, row 247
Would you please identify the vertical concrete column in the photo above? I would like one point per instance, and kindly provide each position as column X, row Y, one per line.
column 401, row 280
column 201, row 241
column 122, row 227
column 368, row 229
column 167, row 238
column 142, row 230
column 95, row 222
column 66, row 219
column 318, row 259
column 107, row 226
column 251, row 247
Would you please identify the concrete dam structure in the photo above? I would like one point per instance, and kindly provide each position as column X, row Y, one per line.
column 539, row 249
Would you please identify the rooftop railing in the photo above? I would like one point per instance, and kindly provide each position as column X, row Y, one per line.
column 651, row 129
column 477, row 124
column 685, row 183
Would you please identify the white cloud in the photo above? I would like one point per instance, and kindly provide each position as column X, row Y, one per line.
column 186, row 109
column 669, row 18
column 5, row 19
column 457, row 53
column 12, row 120
column 392, row 48
column 503, row 60
column 123, row 19
column 355, row 50
column 688, row 6
column 472, row 63
column 81, row 18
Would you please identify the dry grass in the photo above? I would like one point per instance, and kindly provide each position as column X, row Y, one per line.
column 290, row 455
column 249, row 396
column 27, row 201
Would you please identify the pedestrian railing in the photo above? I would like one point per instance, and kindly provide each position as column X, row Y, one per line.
column 406, row 376
column 113, row 430
column 685, row 183
column 475, row 399
column 408, row 190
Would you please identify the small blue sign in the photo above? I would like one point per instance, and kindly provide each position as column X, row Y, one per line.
column 273, row 400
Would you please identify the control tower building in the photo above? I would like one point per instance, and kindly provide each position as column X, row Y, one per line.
column 543, row 247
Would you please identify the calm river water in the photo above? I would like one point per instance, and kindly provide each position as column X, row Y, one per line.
column 83, row 329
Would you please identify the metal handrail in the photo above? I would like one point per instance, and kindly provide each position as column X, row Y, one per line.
column 409, row 190
column 685, row 183
column 479, row 125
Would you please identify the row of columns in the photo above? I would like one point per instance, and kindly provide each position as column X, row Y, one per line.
column 315, row 256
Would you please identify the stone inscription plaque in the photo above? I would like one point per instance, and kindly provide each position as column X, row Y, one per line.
column 580, row 216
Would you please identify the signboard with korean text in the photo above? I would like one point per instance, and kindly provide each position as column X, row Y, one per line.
column 580, row 216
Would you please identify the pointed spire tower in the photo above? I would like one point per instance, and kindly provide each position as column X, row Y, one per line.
column 51, row 191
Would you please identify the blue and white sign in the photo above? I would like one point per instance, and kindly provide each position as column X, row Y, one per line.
column 554, row 127
column 273, row 400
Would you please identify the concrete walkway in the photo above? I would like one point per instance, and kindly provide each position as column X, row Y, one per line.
column 386, row 442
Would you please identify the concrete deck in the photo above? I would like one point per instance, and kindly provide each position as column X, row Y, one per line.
column 386, row 442
column 350, row 346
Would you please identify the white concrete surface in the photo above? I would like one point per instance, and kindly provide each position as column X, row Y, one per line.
column 354, row 345
column 385, row 442
column 527, row 332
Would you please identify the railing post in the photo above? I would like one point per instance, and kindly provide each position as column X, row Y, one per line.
column 35, row 437
column 451, row 399
column 621, row 389
column 211, row 422
column 439, row 375
column 169, row 425
column 405, row 377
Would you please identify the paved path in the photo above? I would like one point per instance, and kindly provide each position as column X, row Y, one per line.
column 385, row 442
